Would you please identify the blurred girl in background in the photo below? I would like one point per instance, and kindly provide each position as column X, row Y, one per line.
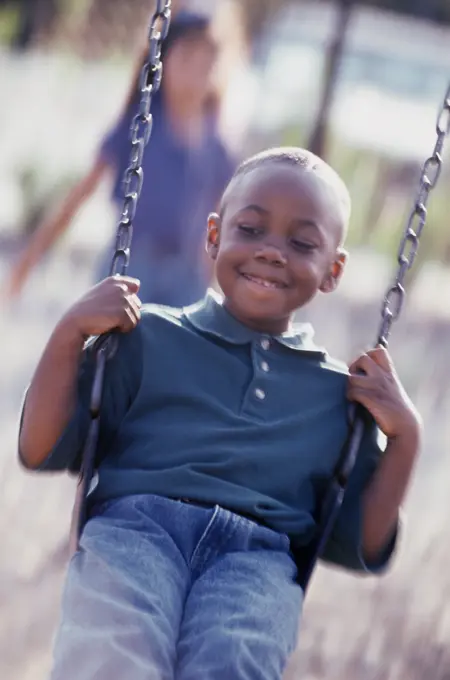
column 186, row 168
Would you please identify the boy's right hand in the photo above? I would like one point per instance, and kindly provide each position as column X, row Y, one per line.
column 112, row 304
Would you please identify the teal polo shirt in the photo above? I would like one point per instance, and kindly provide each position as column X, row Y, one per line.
column 196, row 405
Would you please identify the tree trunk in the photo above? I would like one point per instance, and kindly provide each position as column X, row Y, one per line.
column 318, row 139
column 256, row 14
column 36, row 17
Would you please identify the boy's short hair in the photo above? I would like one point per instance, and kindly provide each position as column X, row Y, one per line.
column 301, row 158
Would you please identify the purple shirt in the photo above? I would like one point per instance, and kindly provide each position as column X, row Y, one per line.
column 182, row 186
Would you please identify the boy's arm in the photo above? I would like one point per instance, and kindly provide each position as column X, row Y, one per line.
column 386, row 491
column 346, row 546
column 52, row 229
column 374, row 384
column 366, row 530
column 52, row 396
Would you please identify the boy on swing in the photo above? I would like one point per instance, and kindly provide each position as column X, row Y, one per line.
column 221, row 425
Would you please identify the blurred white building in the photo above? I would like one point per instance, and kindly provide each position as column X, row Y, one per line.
column 393, row 76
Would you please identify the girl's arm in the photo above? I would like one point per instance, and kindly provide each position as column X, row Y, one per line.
column 51, row 230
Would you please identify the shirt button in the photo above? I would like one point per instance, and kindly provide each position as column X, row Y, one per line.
column 265, row 367
column 265, row 343
column 260, row 394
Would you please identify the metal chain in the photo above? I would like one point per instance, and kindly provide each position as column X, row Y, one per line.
column 141, row 128
column 393, row 301
column 133, row 179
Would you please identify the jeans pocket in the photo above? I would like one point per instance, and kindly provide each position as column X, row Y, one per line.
column 125, row 506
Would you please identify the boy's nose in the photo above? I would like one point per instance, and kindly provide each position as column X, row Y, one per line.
column 272, row 255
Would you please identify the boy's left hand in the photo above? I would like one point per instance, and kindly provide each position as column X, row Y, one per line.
column 380, row 391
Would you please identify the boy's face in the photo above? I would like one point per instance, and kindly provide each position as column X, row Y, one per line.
column 277, row 244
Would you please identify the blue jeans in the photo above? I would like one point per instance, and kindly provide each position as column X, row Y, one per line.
column 164, row 590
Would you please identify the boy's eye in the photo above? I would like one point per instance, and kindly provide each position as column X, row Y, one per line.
column 304, row 246
column 248, row 230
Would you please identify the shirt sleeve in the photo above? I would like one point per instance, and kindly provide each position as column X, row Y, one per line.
column 344, row 547
column 121, row 383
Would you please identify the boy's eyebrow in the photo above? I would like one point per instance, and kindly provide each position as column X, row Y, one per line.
column 256, row 208
column 300, row 222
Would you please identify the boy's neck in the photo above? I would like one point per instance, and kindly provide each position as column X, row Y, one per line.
column 263, row 326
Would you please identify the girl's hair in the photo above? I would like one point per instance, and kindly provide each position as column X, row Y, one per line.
column 184, row 25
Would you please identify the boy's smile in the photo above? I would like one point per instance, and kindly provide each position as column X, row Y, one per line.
column 277, row 244
column 265, row 282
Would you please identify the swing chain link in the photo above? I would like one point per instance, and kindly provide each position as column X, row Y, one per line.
column 133, row 179
column 105, row 346
column 141, row 128
column 393, row 301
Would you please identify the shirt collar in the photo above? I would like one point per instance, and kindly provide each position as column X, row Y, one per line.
column 210, row 316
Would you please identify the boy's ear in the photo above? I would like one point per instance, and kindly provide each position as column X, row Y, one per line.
column 213, row 235
column 332, row 279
